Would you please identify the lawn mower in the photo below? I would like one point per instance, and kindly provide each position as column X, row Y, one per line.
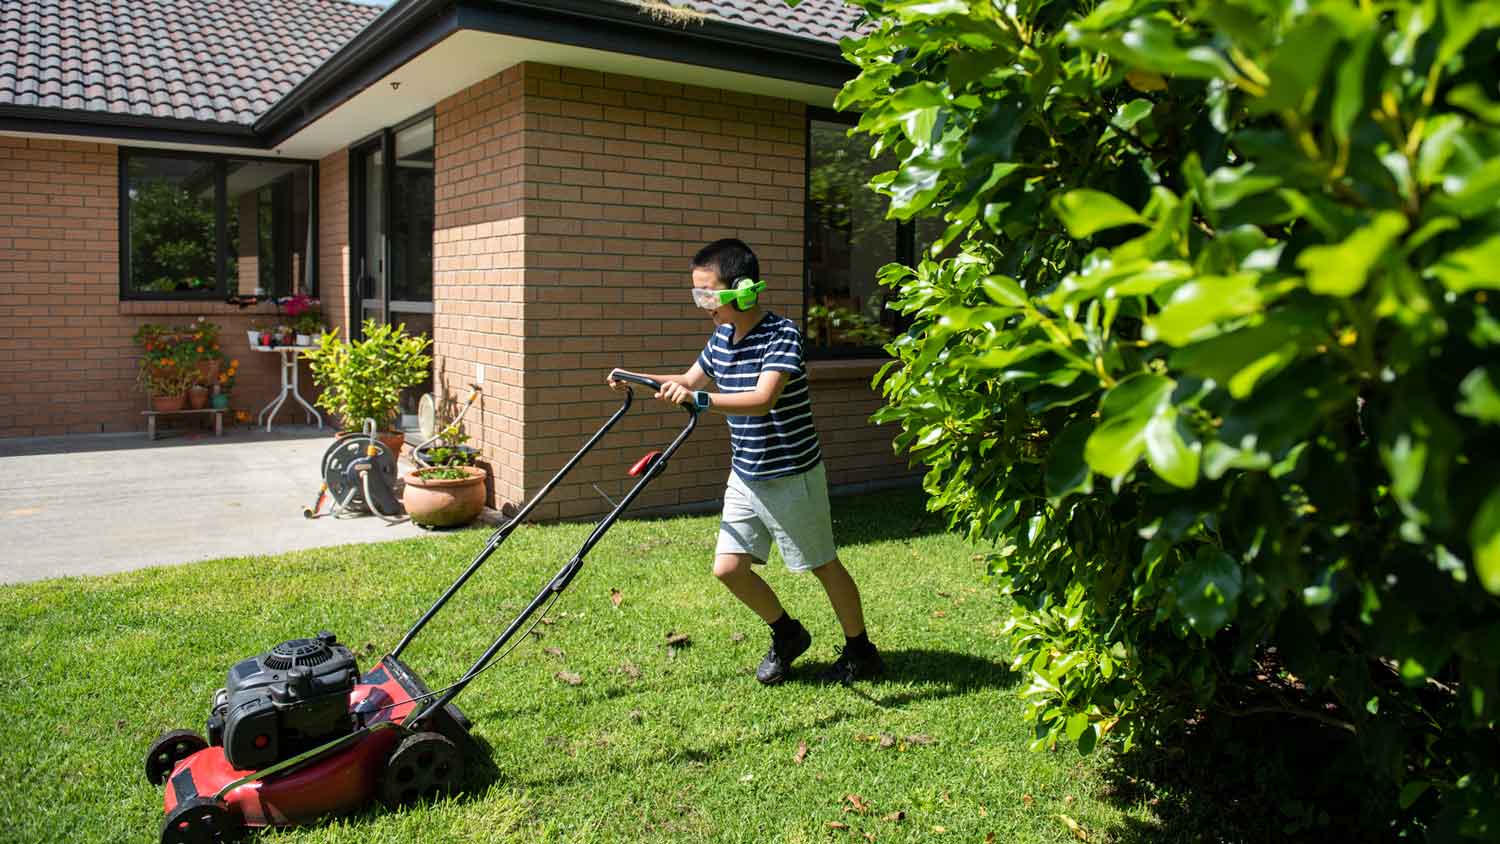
column 299, row 731
column 359, row 472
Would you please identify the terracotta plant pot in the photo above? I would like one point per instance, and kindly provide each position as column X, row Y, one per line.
column 167, row 404
column 392, row 440
column 444, row 503
column 197, row 397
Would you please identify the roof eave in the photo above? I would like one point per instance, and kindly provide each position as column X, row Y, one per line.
column 115, row 127
column 412, row 26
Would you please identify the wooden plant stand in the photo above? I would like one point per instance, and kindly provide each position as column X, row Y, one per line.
column 151, row 415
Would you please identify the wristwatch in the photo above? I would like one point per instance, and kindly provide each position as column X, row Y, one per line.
column 700, row 400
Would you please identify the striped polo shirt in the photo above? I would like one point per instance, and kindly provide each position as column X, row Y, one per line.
column 784, row 441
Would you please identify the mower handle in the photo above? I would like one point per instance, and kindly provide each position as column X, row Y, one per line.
column 631, row 378
column 618, row 374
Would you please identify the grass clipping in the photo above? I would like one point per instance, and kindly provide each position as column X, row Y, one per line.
column 663, row 12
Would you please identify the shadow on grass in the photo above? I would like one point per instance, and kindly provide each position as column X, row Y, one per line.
column 912, row 676
column 939, row 674
column 884, row 516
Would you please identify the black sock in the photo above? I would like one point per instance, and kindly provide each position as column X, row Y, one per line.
column 858, row 644
column 784, row 627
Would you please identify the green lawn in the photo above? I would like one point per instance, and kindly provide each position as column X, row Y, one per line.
column 655, row 744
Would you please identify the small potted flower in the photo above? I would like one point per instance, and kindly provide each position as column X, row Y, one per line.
column 226, row 384
column 306, row 317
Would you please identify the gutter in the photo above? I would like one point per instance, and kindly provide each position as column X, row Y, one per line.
column 114, row 127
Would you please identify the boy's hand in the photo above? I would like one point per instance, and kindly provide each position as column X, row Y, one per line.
column 675, row 393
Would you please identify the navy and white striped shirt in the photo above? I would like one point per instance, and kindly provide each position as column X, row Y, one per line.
column 784, row 441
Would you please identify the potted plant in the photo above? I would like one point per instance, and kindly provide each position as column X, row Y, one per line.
column 226, row 384
column 306, row 318
column 363, row 379
column 166, row 380
column 450, row 492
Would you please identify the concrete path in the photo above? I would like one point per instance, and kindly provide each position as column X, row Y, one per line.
column 92, row 504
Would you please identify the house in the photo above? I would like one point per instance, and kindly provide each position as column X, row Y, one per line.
column 524, row 180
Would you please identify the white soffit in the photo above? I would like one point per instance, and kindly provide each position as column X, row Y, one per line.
column 468, row 57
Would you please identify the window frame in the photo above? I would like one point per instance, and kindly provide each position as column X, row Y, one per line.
column 905, row 241
column 220, row 162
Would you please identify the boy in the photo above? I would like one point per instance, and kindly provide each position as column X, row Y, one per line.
column 777, row 487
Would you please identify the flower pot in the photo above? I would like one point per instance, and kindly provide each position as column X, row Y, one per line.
column 197, row 397
column 444, row 503
column 304, row 340
column 220, row 401
column 167, row 404
column 253, row 336
column 266, row 339
column 392, row 440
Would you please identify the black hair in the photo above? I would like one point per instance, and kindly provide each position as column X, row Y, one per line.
column 730, row 259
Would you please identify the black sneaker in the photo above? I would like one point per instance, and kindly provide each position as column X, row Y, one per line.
column 851, row 666
column 779, row 658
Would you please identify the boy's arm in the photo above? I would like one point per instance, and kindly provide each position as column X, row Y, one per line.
column 756, row 402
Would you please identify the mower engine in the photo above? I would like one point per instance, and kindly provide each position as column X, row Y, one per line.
column 283, row 702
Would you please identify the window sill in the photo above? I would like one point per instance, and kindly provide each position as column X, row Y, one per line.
column 191, row 307
column 857, row 369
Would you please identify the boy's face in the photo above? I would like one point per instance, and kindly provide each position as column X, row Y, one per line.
column 705, row 278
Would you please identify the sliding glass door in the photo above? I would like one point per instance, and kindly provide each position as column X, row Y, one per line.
column 392, row 203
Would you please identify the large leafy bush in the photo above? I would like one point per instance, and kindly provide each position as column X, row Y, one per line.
column 1216, row 368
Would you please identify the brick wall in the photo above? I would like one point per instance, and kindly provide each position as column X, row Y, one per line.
column 67, row 361
column 478, row 269
column 570, row 203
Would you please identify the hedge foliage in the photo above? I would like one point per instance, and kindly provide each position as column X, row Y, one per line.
column 1215, row 367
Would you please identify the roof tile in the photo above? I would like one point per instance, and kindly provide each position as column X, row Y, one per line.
column 170, row 58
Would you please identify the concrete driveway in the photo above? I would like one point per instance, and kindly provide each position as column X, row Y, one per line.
column 93, row 504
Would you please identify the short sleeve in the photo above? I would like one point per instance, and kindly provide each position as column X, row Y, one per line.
column 784, row 353
column 706, row 357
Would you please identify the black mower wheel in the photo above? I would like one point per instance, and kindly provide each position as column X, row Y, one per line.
column 423, row 765
column 201, row 820
column 168, row 750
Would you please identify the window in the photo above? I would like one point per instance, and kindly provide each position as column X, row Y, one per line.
column 848, row 241
column 203, row 226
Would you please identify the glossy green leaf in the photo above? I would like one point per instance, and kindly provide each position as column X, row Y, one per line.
column 1171, row 450
column 1472, row 268
column 1085, row 212
column 1200, row 305
column 1484, row 535
column 1343, row 269
column 1207, row 590
column 1003, row 291
column 1480, row 398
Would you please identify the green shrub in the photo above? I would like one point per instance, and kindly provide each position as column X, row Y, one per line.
column 363, row 379
column 1216, row 367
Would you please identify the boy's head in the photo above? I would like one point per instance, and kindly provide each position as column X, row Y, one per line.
column 719, row 265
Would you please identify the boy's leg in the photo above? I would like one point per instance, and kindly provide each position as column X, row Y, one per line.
column 735, row 572
column 844, row 596
column 744, row 541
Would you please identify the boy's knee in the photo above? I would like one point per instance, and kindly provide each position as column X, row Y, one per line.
column 732, row 566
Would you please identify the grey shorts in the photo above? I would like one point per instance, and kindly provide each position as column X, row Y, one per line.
column 793, row 510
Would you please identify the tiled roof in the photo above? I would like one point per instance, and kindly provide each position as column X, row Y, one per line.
column 225, row 61
column 820, row 20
